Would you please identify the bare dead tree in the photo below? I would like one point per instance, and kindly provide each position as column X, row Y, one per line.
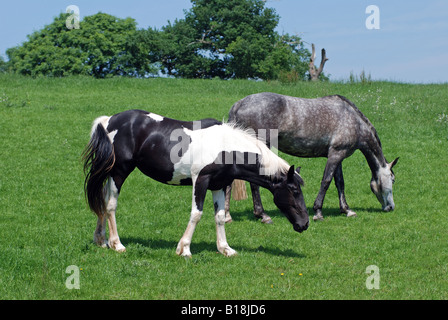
column 314, row 72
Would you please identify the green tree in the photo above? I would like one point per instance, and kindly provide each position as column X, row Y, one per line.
column 223, row 27
column 140, row 57
column 288, row 57
column 3, row 65
column 229, row 39
column 217, row 38
column 98, row 48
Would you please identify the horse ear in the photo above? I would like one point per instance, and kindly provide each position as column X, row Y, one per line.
column 301, row 182
column 393, row 163
column 291, row 174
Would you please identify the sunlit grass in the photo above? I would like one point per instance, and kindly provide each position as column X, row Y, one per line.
column 45, row 225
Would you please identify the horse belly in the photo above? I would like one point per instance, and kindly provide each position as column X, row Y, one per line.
column 157, row 172
column 305, row 147
column 154, row 159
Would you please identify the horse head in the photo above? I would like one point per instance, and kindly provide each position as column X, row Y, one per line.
column 289, row 199
column 381, row 186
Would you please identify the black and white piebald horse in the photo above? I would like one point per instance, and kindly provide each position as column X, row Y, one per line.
column 206, row 154
column 331, row 127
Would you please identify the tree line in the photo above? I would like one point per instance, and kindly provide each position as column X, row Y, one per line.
column 217, row 38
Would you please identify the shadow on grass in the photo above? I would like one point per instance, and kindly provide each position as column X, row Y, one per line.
column 202, row 246
column 335, row 212
column 244, row 215
column 327, row 212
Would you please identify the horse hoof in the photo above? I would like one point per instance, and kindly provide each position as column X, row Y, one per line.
column 264, row 218
column 183, row 253
column 267, row 220
column 120, row 248
column 103, row 245
column 318, row 217
column 351, row 213
column 100, row 241
column 229, row 252
column 228, row 220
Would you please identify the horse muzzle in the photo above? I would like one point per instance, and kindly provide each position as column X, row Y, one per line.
column 301, row 227
column 388, row 208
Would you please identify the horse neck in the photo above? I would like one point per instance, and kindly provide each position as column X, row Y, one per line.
column 252, row 174
column 371, row 148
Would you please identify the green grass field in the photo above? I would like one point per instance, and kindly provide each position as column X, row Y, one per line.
column 45, row 225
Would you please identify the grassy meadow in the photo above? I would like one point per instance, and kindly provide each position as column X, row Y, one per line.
column 45, row 224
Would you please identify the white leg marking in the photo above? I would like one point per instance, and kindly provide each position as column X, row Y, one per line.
column 351, row 213
column 219, row 199
column 111, row 207
column 183, row 247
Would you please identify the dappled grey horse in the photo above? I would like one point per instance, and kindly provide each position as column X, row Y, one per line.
column 331, row 127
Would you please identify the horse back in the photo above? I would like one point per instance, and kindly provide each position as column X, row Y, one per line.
column 144, row 140
column 306, row 127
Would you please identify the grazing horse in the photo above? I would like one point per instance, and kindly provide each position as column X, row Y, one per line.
column 206, row 154
column 331, row 127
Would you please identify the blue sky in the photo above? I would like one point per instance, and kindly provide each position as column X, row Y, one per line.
column 411, row 44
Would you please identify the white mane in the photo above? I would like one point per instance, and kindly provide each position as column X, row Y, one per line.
column 271, row 164
column 205, row 145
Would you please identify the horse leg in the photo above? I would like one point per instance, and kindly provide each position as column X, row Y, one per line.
column 228, row 218
column 339, row 182
column 99, row 236
column 199, row 192
column 183, row 247
column 112, row 192
column 258, row 206
column 221, row 240
column 330, row 167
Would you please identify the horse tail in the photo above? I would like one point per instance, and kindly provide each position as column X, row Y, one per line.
column 99, row 159
column 238, row 186
column 239, row 190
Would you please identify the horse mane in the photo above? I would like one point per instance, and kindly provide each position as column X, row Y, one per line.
column 362, row 116
column 271, row 164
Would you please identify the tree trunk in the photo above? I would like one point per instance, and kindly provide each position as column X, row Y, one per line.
column 314, row 72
